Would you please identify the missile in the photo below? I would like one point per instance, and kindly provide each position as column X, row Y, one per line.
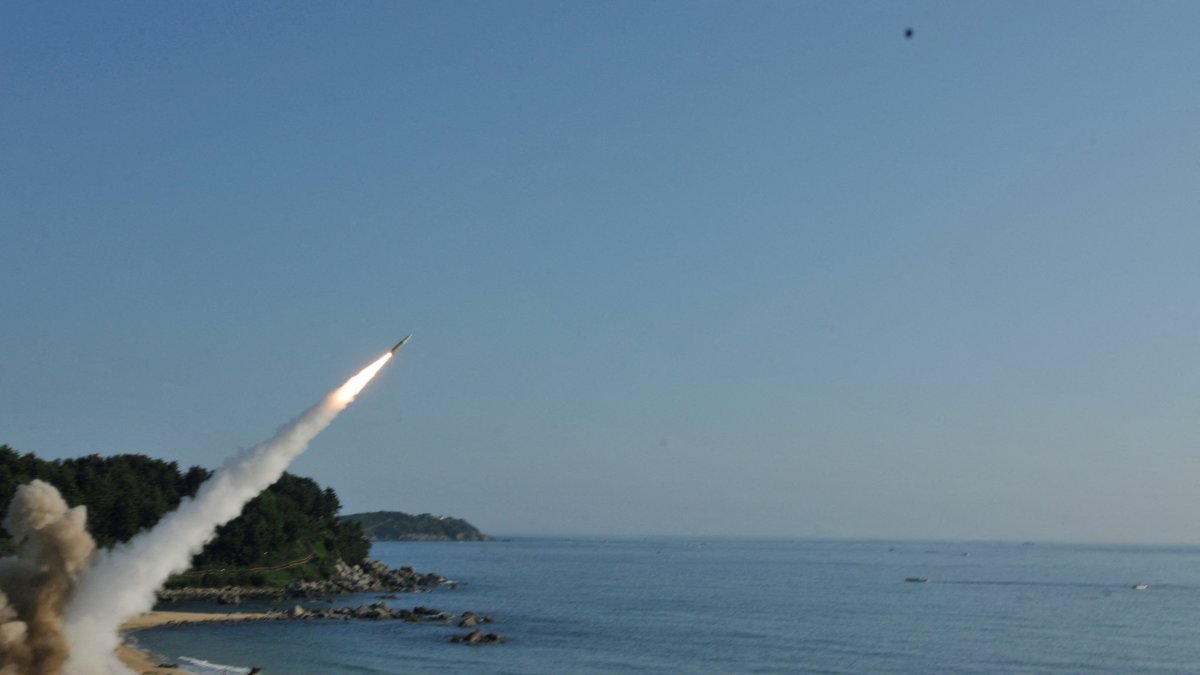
column 399, row 344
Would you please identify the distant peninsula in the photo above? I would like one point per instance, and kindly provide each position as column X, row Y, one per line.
column 399, row 526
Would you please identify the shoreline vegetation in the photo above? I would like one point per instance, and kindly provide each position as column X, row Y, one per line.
column 289, row 535
column 288, row 542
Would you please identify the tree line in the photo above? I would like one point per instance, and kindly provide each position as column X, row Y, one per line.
column 400, row 526
column 292, row 520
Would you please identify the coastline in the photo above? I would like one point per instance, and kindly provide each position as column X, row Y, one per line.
column 368, row 576
column 141, row 661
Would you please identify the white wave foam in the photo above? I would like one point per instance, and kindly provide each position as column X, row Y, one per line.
column 202, row 667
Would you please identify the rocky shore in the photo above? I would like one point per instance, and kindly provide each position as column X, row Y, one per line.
column 376, row 611
column 380, row 611
column 370, row 577
column 141, row 662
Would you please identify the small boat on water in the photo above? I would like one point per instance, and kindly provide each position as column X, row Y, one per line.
column 1140, row 587
column 916, row 580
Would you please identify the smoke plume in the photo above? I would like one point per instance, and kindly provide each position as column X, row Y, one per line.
column 53, row 546
column 62, row 603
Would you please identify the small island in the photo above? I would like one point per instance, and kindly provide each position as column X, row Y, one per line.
column 400, row 526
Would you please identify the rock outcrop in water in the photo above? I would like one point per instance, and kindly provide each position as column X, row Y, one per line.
column 478, row 637
column 381, row 611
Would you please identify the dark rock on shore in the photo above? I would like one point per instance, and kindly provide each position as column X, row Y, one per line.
column 471, row 619
column 371, row 576
column 380, row 611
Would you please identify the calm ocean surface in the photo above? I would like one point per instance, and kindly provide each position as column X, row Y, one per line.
column 751, row 606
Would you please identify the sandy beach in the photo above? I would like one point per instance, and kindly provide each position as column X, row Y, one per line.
column 141, row 662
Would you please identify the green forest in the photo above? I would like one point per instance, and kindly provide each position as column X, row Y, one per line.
column 290, row 532
column 399, row 526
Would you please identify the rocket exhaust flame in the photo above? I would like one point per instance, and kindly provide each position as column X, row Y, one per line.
column 345, row 394
column 85, row 597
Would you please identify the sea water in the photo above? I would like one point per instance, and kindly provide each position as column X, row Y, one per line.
column 695, row 605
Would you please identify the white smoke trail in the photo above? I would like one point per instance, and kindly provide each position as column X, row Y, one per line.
column 122, row 582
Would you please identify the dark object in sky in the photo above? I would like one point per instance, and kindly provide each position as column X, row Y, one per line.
column 908, row 33
column 399, row 344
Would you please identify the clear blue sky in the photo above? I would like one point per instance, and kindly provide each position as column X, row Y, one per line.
column 671, row 267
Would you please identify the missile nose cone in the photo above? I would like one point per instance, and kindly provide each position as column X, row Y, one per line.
column 399, row 344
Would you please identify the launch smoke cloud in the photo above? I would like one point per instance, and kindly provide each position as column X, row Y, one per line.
column 53, row 546
column 63, row 603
